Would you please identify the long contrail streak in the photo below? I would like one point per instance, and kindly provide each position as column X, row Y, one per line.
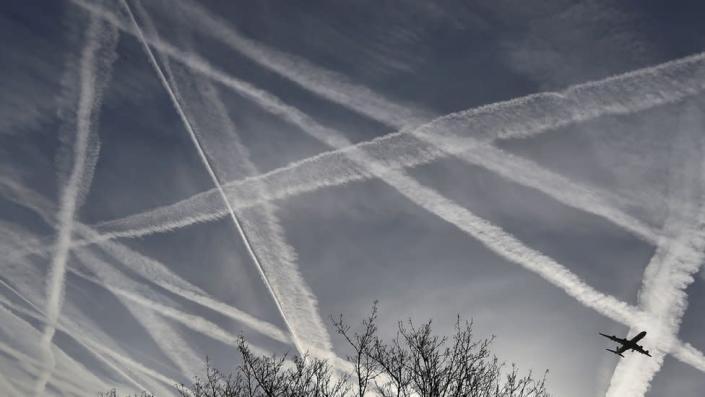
column 220, row 141
column 209, row 168
column 678, row 257
column 99, row 37
column 403, row 150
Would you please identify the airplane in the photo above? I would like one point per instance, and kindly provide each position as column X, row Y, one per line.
column 627, row 344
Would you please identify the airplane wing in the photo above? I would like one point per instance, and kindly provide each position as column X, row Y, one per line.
column 641, row 350
column 614, row 338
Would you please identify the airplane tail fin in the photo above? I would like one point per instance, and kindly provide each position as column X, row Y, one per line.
column 615, row 352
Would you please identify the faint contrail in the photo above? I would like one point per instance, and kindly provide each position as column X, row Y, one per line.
column 61, row 379
column 169, row 340
column 678, row 257
column 311, row 77
column 277, row 299
column 99, row 350
column 26, row 334
column 100, row 39
column 151, row 269
column 73, row 324
column 199, row 324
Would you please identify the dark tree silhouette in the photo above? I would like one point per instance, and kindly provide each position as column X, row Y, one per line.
column 416, row 362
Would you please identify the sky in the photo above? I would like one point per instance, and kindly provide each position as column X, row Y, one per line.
column 176, row 174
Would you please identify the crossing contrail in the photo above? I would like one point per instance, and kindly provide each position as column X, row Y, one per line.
column 221, row 143
column 678, row 257
column 296, row 339
column 95, row 64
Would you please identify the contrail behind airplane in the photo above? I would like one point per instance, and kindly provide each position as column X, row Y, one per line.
column 678, row 257
column 95, row 64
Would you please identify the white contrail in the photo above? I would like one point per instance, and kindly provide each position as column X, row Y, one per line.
column 151, row 269
column 100, row 37
column 230, row 160
column 678, row 257
column 236, row 221
column 325, row 83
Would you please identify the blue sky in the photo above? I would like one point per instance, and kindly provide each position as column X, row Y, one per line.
column 125, row 128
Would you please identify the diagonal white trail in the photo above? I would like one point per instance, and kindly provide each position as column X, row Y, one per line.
column 295, row 338
column 100, row 37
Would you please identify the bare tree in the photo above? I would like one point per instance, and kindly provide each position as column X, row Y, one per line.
column 418, row 363
column 414, row 363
